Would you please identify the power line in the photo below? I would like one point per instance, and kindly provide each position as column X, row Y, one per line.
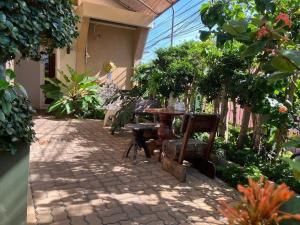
column 185, row 24
column 165, row 22
column 168, row 19
column 182, row 21
column 184, row 32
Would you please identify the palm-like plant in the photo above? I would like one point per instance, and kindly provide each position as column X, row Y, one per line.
column 73, row 95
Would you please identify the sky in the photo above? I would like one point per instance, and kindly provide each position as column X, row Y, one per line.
column 187, row 24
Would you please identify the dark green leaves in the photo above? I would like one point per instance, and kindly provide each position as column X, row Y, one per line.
column 277, row 76
column 15, row 116
column 265, row 6
column 283, row 64
column 204, row 35
column 287, row 61
column 212, row 14
column 3, row 85
column 76, row 95
column 25, row 26
column 254, row 48
column 235, row 28
column 293, row 56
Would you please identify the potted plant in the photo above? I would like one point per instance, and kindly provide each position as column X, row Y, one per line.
column 26, row 28
column 16, row 134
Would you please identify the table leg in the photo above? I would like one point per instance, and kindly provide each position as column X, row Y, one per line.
column 165, row 130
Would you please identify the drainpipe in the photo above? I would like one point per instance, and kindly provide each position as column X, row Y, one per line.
column 172, row 30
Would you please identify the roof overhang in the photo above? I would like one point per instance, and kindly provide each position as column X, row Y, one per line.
column 149, row 7
column 113, row 14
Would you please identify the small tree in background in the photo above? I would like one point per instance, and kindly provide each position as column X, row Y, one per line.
column 269, row 30
column 177, row 70
column 26, row 26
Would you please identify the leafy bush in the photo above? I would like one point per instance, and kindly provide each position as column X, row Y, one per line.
column 74, row 95
column 16, row 125
column 249, row 163
column 26, row 25
column 234, row 174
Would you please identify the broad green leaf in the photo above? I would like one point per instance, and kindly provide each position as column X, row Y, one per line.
column 277, row 76
column 292, row 206
column 204, row 35
column 6, row 107
column 2, row 116
column 255, row 48
column 283, row 64
column 294, row 142
column 3, row 85
column 235, row 27
column 55, row 105
column 68, row 108
column 10, row 74
column 22, row 90
column 205, row 6
column 292, row 55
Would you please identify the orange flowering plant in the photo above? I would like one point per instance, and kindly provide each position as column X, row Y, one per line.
column 260, row 204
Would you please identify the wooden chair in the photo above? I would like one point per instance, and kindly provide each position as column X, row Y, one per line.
column 142, row 132
column 176, row 151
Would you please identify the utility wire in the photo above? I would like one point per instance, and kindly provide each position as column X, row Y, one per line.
column 161, row 29
column 182, row 21
column 184, row 24
column 168, row 19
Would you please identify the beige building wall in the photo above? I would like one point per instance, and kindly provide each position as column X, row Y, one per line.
column 103, row 38
column 111, row 43
column 31, row 75
column 63, row 60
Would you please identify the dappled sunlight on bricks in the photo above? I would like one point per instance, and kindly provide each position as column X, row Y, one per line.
column 77, row 176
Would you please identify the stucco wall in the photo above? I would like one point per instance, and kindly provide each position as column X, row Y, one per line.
column 63, row 59
column 111, row 43
column 30, row 74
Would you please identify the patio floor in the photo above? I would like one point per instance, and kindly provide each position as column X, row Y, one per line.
column 78, row 177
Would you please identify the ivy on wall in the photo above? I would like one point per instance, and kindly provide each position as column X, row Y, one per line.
column 26, row 25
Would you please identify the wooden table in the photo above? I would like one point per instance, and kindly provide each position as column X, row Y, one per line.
column 165, row 130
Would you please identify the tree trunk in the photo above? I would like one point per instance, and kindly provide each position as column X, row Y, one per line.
column 257, row 132
column 282, row 130
column 217, row 105
column 234, row 112
column 244, row 127
column 223, row 117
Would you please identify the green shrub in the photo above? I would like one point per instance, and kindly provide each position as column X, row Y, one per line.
column 280, row 172
column 252, row 164
column 16, row 125
column 244, row 157
column 27, row 25
column 234, row 174
column 74, row 95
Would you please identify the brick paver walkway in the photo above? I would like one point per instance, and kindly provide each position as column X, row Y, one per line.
column 77, row 177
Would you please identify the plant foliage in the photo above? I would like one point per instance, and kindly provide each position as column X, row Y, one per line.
column 73, row 94
column 260, row 204
column 26, row 25
column 16, row 126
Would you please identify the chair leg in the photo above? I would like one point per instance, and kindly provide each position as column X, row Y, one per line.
column 136, row 147
column 126, row 153
column 141, row 143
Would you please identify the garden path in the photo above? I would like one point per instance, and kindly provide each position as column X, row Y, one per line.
column 77, row 177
